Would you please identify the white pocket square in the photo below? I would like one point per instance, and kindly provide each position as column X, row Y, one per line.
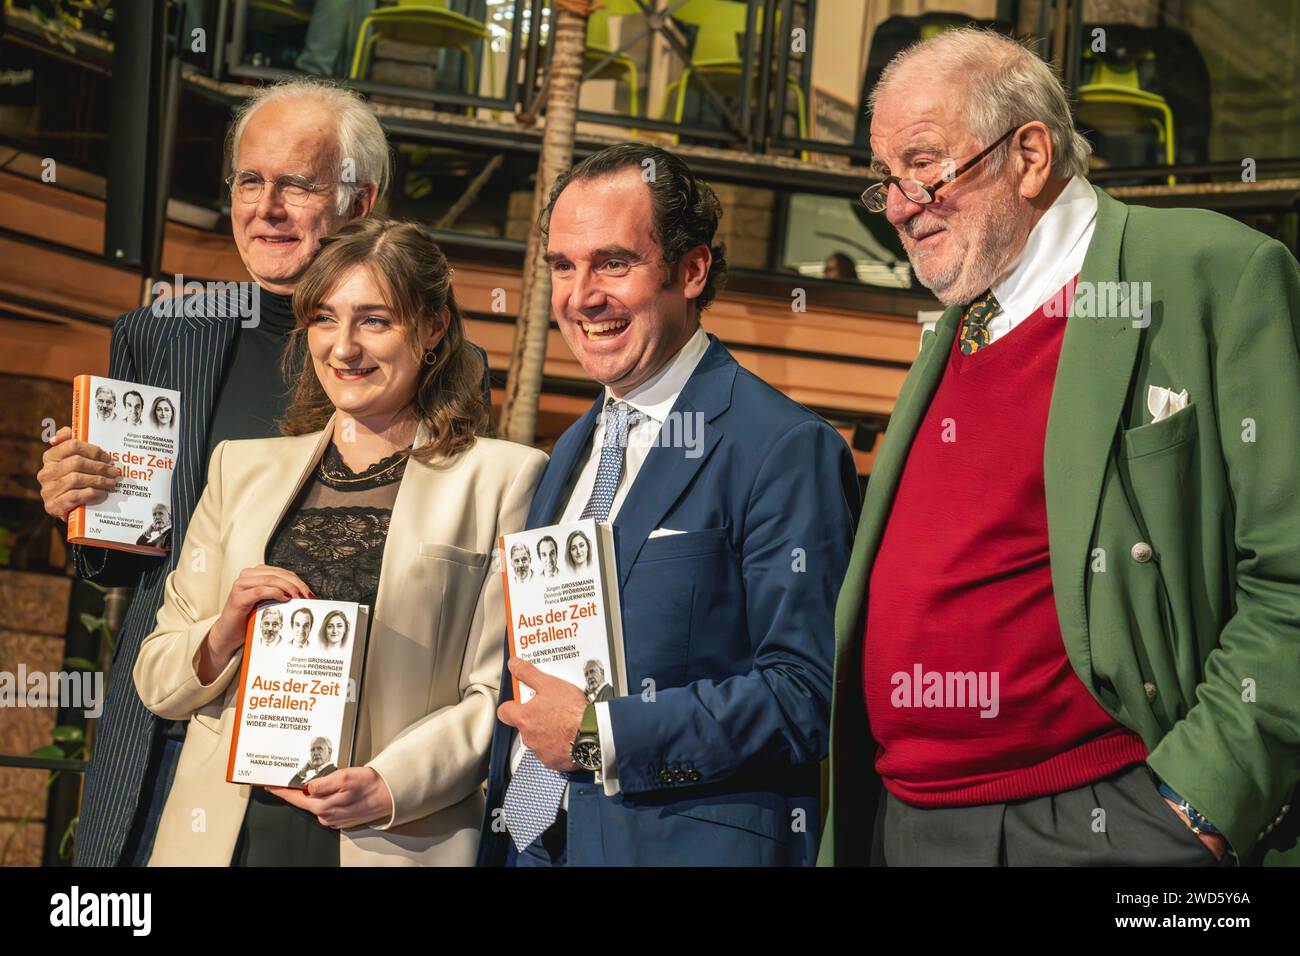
column 1163, row 402
column 664, row 532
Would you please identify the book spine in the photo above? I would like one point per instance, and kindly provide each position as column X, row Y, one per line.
column 352, row 700
column 239, row 701
column 613, row 605
column 80, row 431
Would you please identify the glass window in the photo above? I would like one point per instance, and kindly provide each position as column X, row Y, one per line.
column 1220, row 77
column 828, row 238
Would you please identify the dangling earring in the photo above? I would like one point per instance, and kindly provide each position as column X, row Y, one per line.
column 430, row 357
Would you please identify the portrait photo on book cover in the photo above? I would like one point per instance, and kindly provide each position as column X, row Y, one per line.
column 521, row 563
column 136, row 408
column 548, row 557
column 320, row 761
column 577, row 552
column 598, row 688
column 159, row 532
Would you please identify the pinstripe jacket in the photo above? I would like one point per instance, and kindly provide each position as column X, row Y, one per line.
column 187, row 353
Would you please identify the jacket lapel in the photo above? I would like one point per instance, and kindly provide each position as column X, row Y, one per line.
column 913, row 401
column 667, row 471
column 196, row 357
column 1092, row 384
column 297, row 462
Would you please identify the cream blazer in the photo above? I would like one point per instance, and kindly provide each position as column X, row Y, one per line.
column 428, row 700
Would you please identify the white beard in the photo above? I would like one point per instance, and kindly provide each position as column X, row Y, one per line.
column 965, row 278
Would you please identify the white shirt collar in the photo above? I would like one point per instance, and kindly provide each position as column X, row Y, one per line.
column 1056, row 245
column 656, row 396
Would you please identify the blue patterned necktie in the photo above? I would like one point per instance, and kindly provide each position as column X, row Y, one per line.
column 535, row 792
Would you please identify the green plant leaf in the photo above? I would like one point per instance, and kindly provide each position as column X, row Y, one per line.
column 68, row 835
column 66, row 733
column 79, row 663
column 48, row 752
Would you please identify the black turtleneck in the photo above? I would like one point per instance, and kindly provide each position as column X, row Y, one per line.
column 254, row 393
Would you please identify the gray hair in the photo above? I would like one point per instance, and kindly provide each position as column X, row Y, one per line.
column 1006, row 84
column 360, row 137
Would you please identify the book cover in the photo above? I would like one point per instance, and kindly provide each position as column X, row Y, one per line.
column 138, row 426
column 299, row 684
column 562, row 606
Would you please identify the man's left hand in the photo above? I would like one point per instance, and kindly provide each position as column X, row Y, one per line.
column 342, row 799
column 548, row 723
column 1213, row 841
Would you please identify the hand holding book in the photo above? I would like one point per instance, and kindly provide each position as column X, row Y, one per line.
column 253, row 586
column 110, row 475
column 550, row 720
column 74, row 473
column 345, row 798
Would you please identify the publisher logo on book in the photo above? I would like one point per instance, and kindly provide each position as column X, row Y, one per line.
column 202, row 300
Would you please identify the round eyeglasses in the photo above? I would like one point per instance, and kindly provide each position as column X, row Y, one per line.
column 294, row 190
column 876, row 196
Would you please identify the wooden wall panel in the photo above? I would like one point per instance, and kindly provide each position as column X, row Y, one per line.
column 57, row 295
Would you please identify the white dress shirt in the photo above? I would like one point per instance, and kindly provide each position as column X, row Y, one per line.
column 654, row 399
column 1052, row 256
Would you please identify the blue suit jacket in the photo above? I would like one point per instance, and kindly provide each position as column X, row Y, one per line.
column 728, row 632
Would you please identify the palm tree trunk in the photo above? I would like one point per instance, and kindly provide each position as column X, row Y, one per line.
column 524, row 382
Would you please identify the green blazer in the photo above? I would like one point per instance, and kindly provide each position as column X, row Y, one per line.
column 1198, row 648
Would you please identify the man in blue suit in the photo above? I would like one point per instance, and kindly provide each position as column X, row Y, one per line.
column 731, row 507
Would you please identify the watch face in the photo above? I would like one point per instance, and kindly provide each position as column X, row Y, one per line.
column 586, row 752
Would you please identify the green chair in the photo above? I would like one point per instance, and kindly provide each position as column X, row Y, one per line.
column 717, row 53
column 599, row 48
column 426, row 23
column 1113, row 99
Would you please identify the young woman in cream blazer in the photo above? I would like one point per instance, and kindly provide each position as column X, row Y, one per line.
column 388, row 401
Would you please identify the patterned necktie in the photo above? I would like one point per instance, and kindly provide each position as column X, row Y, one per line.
column 975, row 323
column 535, row 792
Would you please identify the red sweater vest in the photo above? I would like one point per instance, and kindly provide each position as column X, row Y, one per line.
column 970, row 693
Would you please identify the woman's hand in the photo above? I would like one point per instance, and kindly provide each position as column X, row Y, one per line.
column 254, row 585
column 343, row 799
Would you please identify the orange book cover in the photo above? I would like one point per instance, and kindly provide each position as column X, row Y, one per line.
column 563, row 613
column 299, row 683
column 138, row 426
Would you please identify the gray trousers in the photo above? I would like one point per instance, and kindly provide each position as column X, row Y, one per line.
column 1119, row 821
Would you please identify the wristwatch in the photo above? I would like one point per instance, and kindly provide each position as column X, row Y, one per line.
column 586, row 746
column 1200, row 825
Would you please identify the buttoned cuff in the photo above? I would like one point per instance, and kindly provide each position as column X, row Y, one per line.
column 608, row 758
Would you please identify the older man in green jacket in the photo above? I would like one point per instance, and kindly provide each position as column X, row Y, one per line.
column 1070, row 630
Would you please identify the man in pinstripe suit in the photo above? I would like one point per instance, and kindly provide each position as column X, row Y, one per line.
column 307, row 156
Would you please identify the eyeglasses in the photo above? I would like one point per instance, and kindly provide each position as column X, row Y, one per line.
column 876, row 196
column 294, row 190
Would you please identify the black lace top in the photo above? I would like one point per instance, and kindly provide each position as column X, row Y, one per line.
column 333, row 538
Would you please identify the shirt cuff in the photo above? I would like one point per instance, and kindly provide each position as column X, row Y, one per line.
column 608, row 758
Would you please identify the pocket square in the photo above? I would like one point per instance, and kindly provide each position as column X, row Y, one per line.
column 664, row 532
column 1163, row 402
